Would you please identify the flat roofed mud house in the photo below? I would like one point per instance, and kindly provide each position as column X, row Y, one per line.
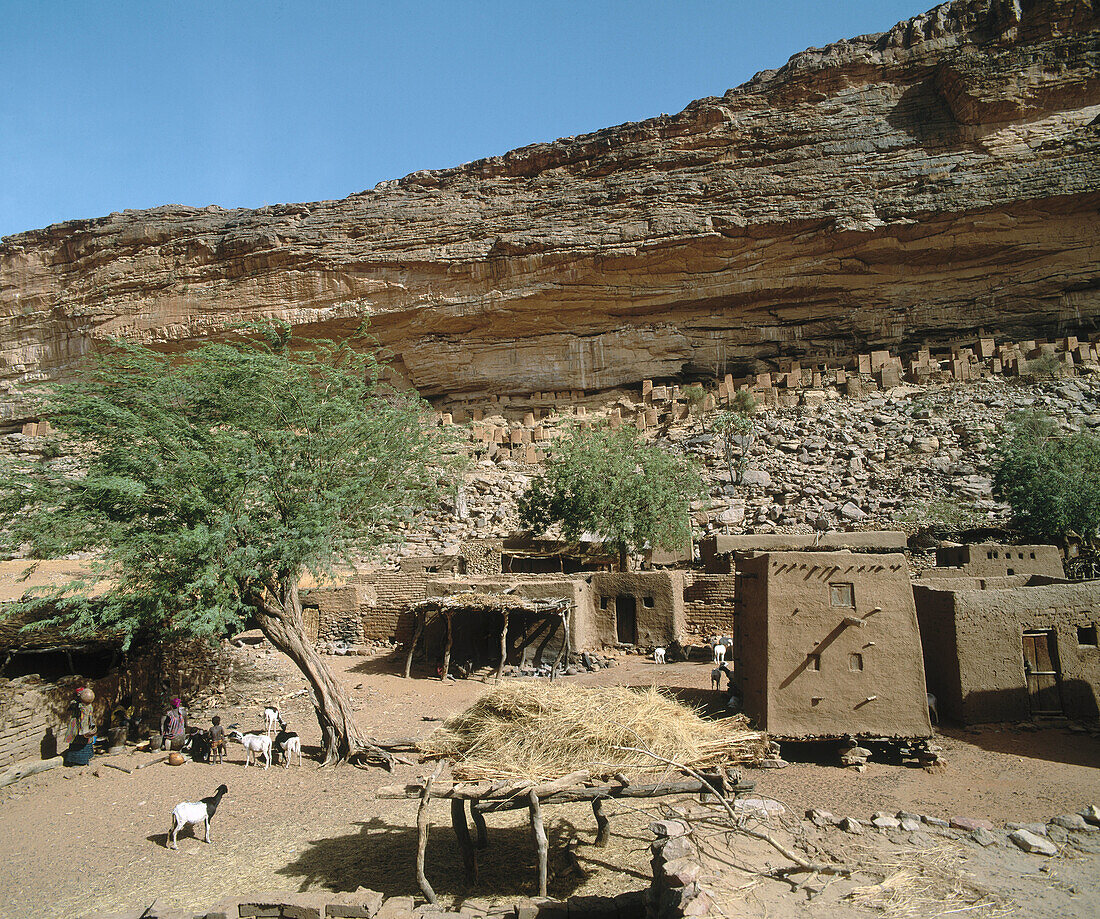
column 828, row 645
column 1010, row 652
column 992, row 560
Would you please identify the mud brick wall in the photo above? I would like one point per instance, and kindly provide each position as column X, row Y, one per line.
column 709, row 605
column 31, row 726
column 338, row 616
column 384, row 608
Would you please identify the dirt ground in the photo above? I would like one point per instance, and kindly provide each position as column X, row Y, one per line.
column 77, row 841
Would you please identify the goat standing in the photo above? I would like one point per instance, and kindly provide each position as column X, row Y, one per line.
column 720, row 651
column 254, row 744
column 287, row 743
column 271, row 719
column 193, row 813
column 658, row 655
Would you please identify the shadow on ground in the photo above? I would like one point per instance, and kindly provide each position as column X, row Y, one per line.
column 382, row 857
column 1053, row 744
column 392, row 662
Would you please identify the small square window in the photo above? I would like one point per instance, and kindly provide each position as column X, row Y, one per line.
column 813, row 661
column 1011, row 570
column 1033, row 555
column 1086, row 635
column 989, row 554
column 605, row 602
column 842, row 595
column 647, row 602
column 855, row 661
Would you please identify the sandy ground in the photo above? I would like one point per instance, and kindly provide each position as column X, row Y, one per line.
column 76, row 841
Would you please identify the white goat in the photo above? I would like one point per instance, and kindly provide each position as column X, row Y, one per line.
column 254, row 745
column 271, row 719
column 720, row 650
column 287, row 743
column 193, row 813
column 658, row 655
column 933, row 712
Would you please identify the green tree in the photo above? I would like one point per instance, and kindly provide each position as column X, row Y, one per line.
column 611, row 483
column 737, row 433
column 210, row 483
column 1050, row 480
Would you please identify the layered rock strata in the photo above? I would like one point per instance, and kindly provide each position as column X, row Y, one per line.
column 930, row 182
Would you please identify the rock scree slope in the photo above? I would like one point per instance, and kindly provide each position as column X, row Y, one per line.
column 913, row 186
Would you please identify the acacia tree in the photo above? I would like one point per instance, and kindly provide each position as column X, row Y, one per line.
column 1050, row 480
column 210, row 483
column 611, row 483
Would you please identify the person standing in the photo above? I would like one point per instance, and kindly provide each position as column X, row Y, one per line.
column 173, row 727
column 82, row 729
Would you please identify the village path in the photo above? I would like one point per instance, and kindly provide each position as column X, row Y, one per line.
column 75, row 841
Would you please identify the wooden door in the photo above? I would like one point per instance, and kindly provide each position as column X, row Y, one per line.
column 1041, row 668
column 311, row 622
column 626, row 619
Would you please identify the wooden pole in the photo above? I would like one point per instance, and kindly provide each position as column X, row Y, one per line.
column 564, row 642
column 462, row 832
column 503, row 646
column 447, row 646
column 603, row 824
column 422, row 837
column 15, row 773
column 540, row 838
column 417, row 629
column 479, row 822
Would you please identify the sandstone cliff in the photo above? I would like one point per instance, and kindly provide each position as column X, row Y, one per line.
column 916, row 185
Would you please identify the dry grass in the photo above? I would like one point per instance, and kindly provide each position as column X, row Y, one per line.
column 927, row 882
column 542, row 731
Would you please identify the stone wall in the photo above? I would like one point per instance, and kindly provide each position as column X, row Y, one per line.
column 709, row 605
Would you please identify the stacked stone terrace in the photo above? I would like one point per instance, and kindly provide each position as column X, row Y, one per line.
column 519, row 429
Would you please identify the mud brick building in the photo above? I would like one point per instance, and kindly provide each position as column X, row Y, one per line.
column 827, row 645
column 1010, row 652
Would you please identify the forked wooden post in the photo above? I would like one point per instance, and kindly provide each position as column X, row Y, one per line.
column 479, row 822
column 417, row 630
column 462, row 832
column 503, row 645
column 447, row 647
column 603, row 824
column 540, row 837
column 422, row 837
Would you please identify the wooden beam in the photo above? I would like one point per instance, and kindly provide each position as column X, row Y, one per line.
column 447, row 647
column 21, row 771
column 541, row 843
column 465, row 844
column 422, row 837
column 417, row 629
column 603, row 824
column 503, row 645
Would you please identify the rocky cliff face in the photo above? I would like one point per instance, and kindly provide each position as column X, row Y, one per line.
column 917, row 185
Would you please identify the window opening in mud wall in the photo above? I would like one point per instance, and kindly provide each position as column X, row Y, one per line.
column 1086, row 636
column 842, row 595
column 855, row 661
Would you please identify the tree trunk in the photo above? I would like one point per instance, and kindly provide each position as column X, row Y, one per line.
column 624, row 558
column 280, row 619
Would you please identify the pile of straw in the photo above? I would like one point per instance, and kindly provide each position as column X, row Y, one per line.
column 929, row 881
column 542, row 731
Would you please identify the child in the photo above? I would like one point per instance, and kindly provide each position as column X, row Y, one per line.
column 217, row 740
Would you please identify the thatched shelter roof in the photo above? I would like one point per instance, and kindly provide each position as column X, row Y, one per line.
column 490, row 602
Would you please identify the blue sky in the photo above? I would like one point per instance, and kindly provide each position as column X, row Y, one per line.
column 108, row 106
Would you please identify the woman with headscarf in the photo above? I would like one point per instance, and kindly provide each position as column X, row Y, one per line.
column 173, row 727
column 82, row 728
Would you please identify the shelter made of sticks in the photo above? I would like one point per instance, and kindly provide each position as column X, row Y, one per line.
column 482, row 626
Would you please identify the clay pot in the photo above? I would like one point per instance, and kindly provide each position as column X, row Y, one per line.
column 86, row 695
column 175, row 759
